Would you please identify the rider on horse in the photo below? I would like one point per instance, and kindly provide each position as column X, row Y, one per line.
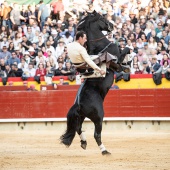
column 79, row 55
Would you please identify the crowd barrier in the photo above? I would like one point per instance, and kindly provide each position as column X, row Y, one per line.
column 56, row 103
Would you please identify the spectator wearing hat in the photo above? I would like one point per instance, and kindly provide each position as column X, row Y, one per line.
column 145, row 67
column 26, row 56
column 161, row 18
column 133, row 18
column 60, row 48
column 5, row 54
column 33, row 55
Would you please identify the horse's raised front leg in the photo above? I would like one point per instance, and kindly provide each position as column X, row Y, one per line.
column 97, row 136
column 82, row 134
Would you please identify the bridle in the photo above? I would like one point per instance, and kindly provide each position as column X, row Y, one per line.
column 109, row 28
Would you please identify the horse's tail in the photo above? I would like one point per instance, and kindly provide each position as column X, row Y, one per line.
column 73, row 124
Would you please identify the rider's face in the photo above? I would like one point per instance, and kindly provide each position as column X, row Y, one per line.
column 83, row 39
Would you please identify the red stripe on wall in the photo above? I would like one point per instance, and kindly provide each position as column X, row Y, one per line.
column 55, row 104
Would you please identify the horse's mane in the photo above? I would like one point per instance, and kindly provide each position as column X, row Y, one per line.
column 85, row 22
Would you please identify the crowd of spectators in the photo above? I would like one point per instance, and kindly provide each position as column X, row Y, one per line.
column 33, row 39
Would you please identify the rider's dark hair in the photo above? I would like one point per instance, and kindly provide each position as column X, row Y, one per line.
column 80, row 34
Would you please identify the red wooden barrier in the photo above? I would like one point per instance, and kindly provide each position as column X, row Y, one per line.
column 56, row 103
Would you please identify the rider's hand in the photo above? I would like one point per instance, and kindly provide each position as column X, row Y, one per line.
column 102, row 72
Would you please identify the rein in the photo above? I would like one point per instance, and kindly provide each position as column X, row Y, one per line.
column 99, row 38
column 105, row 47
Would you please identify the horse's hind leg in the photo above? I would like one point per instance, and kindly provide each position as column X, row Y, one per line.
column 97, row 136
column 82, row 134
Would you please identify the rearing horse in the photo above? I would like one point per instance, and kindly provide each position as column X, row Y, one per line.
column 89, row 103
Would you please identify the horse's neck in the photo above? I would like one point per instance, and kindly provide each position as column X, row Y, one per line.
column 97, row 44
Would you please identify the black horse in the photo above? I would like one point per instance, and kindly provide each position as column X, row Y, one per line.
column 89, row 103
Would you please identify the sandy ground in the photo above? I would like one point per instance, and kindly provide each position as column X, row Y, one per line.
column 42, row 150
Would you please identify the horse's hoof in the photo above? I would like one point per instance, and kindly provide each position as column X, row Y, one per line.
column 106, row 153
column 83, row 144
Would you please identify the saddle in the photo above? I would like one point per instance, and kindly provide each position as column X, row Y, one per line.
column 101, row 60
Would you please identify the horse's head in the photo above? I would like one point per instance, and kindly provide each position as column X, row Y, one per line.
column 96, row 20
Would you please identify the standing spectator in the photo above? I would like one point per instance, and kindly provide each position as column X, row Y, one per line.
column 15, row 16
column 6, row 15
column 43, row 13
column 58, row 9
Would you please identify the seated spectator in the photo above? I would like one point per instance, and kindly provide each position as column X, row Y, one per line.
column 60, row 48
column 11, row 47
column 146, row 50
column 13, row 59
column 35, row 27
column 29, row 72
column 40, row 43
column 140, row 43
column 40, row 58
column 2, row 64
column 51, row 59
column 16, row 72
column 29, row 34
column 67, row 38
column 164, row 68
column 58, row 72
column 51, row 40
column 44, row 34
column 17, row 39
column 4, row 42
column 35, row 38
column 165, row 58
column 135, row 65
column 27, row 57
column 33, row 55
column 145, row 68
column 18, row 52
column 23, row 65
column 152, row 43
column 69, row 70
column 5, row 54
column 26, row 43
column 40, row 72
column 154, row 65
